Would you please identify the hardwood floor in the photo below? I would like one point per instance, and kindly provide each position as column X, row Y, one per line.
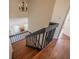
column 20, row 51
column 59, row 51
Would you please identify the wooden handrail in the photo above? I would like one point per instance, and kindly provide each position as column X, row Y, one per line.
column 37, row 32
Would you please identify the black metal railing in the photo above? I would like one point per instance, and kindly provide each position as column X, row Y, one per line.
column 18, row 36
column 41, row 38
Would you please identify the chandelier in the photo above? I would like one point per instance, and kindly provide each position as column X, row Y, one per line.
column 23, row 6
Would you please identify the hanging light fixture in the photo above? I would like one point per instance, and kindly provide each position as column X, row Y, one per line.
column 23, row 6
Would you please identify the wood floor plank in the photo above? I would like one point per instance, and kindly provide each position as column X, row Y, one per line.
column 60, row 51
column 20, row 51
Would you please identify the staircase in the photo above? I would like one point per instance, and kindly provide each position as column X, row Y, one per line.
column 56, row 49
column 42, row 37
column 34, row 42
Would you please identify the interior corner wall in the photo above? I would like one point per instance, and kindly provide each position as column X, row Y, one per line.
column 59, row 14
column 39, row 13
column 66, row 27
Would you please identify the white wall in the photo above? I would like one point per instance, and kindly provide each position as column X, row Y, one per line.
column 59, row 13
column 66, row 27
column 14, row 11
column 18, row 21
column 14, row 24
column 40, row 12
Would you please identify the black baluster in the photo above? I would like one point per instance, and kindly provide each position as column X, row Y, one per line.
column 42, row 39
column 38, row 40
column 45, row 39
column 34, row 41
